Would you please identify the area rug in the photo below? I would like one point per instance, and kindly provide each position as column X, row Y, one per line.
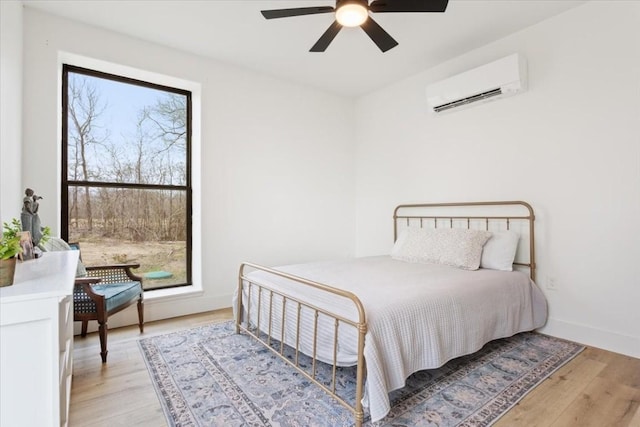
column 211, row 376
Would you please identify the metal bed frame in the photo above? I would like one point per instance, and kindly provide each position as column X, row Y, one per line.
column 264, row 334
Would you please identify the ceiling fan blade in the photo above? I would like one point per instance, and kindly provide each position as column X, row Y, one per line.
column 285, row 13
column 408, row 5
column 379, row 36
column 325, row 40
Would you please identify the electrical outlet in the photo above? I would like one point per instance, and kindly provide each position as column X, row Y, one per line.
column 551, row 284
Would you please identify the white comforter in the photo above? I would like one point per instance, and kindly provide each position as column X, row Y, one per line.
column 419, row 315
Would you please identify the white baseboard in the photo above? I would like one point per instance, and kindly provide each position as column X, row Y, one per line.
column 165, row 308
column 587, row 335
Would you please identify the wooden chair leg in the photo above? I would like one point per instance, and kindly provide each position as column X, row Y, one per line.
column 103, row 341
column 141, row 315
column 83, row 332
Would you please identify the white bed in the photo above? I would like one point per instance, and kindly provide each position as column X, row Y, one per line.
column 416, row 315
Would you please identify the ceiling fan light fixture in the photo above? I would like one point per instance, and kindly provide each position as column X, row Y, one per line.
column 355, row 13
column 352, row 14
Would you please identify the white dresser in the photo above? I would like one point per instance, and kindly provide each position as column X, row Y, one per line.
column 36, row 342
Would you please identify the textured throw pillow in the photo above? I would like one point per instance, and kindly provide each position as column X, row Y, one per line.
column 54, row 244
column 500, row 250
column 457, row 247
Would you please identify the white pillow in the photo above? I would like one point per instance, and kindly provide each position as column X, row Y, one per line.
column 54, row 244
column 457, row 247
column 500, row 250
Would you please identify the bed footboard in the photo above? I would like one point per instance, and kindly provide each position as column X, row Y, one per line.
column 255, row 316
column 259, row 317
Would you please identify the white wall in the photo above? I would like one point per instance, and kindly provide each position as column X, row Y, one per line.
column 277, row 158
column 278, row 186
column 570, row 146
column 10, row 109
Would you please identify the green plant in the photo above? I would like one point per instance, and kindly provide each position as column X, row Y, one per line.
column 46, row 234
column 10, row 242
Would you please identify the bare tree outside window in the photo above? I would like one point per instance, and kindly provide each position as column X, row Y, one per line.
column 126, row 165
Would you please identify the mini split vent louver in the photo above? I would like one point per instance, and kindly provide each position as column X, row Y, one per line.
column 499, row 79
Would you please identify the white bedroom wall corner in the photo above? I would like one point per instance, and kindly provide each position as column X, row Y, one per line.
column 269, row 148
column 569, row 146
column 585, row 334
column 11, row 101
column 41, row 132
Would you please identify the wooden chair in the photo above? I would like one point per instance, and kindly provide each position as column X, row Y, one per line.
column 101, row 291
column 106, row 290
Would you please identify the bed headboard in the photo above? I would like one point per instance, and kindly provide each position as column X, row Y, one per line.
column 491, row 216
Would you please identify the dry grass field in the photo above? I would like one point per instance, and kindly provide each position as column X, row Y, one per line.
column 152, row 256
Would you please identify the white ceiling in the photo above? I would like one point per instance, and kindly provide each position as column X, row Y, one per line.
column 235, row 32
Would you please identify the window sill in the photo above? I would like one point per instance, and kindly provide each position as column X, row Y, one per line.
column 172, row 293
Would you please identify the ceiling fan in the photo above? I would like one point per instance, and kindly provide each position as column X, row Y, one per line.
column 355, row 13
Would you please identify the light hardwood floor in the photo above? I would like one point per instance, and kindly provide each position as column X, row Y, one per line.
column 596, row 389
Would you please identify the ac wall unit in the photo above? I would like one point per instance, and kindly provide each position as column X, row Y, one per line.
column 498, row 79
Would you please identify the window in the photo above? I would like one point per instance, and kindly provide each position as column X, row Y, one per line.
column 126, row 174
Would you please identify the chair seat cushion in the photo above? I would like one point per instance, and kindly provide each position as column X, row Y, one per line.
column 115, row 294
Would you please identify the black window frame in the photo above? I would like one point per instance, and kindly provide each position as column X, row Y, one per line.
column 66, row 184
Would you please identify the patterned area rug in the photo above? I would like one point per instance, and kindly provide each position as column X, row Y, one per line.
column 210, row 376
